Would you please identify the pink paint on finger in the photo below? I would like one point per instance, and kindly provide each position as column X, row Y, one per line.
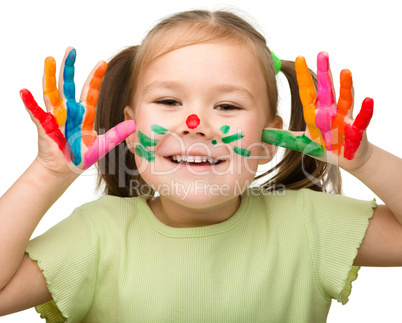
column 323, row 120
column 47, row 121
column 354, row 133
column 324, row 81
column 104, row 143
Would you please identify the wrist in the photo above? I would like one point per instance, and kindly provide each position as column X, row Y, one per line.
column 45, row 179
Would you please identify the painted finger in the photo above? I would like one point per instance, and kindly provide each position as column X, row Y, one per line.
column 295, row 141
column 104, row 143
column 308, row 97
column 47, row 121
column 89, row 97
column 354, row 133
column 364, row 117
column 324, row 81
column 75, row 110
column 51, row 94
column 345, row 93
column 307, row 91
column 345, row 103
column 68, row 72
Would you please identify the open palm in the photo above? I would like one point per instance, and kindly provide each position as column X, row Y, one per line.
column 330, row 125
column 68, row 123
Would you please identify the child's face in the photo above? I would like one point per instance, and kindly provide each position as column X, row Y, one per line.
column 201, row 103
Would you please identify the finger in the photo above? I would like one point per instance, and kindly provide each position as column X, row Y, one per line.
column 324, row 80
column 46, row 120
column 75, row 111
column 345, row 93
column 103, row 144
column 308, row 97
column 354, row 133
column 296, row 141
column 89, row 96
column 51, row 94
column 366, row 113
column 307, row 91
column 67, row 73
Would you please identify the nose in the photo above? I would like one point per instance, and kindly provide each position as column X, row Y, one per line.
column 193, row 125
column 192, row 121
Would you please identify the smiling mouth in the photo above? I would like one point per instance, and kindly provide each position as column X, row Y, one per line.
column 194, row 160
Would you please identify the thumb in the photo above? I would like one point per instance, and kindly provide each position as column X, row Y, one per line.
column 104, row 143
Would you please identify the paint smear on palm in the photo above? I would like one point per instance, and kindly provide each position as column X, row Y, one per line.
column 283, row 138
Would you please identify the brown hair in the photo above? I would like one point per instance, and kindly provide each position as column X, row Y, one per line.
column 118, row 170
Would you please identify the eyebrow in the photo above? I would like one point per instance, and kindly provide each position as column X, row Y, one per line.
column 220, row 88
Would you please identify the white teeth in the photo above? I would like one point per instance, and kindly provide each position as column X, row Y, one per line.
column 194, row 159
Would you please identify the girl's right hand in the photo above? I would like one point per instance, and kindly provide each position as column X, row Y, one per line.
column 67, row 141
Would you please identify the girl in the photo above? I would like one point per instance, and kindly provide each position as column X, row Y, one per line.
column 199, row 98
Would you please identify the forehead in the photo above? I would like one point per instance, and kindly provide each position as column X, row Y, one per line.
column 226, row 65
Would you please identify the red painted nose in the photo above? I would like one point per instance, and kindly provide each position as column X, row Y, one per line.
column 192, row 121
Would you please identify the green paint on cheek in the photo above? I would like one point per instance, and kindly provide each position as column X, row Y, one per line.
column 146, row 141
column 242, row 151
column 141, row 151
column 158, row 129
column 225, row 129
column 283, row 138
column 232, row 138
column 214, row 142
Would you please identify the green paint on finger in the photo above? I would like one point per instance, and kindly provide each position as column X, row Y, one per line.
column 158, row 129
column 231, row 138
column 283, row 138
column 242, row 151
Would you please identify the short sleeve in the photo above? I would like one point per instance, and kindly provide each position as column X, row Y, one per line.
column 68, row 255
column 336, row 226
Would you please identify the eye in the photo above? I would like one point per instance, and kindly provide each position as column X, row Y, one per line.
column 168, row 102
column 227, row 107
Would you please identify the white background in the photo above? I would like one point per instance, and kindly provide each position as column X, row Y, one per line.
column 364, row 36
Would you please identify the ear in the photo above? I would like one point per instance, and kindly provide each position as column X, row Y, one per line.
column 269, row 151
column 130, row 140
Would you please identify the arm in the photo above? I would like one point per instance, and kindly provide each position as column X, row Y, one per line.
column 67, row 145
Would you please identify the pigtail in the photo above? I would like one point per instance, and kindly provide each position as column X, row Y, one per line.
column 117, row 169
column 297, row 170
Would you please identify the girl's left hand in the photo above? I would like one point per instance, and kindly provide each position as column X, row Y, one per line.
column 331, row 133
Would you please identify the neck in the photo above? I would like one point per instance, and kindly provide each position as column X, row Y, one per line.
column 180, row 216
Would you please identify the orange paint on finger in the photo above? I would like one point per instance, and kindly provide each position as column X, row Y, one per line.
column 51, row 91
column 308, row 97
column 345, row 96
column 88, row 133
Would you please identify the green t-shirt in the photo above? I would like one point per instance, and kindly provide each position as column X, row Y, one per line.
column 281, row 257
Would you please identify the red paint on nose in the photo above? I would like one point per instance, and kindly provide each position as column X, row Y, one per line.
column 192, row 121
